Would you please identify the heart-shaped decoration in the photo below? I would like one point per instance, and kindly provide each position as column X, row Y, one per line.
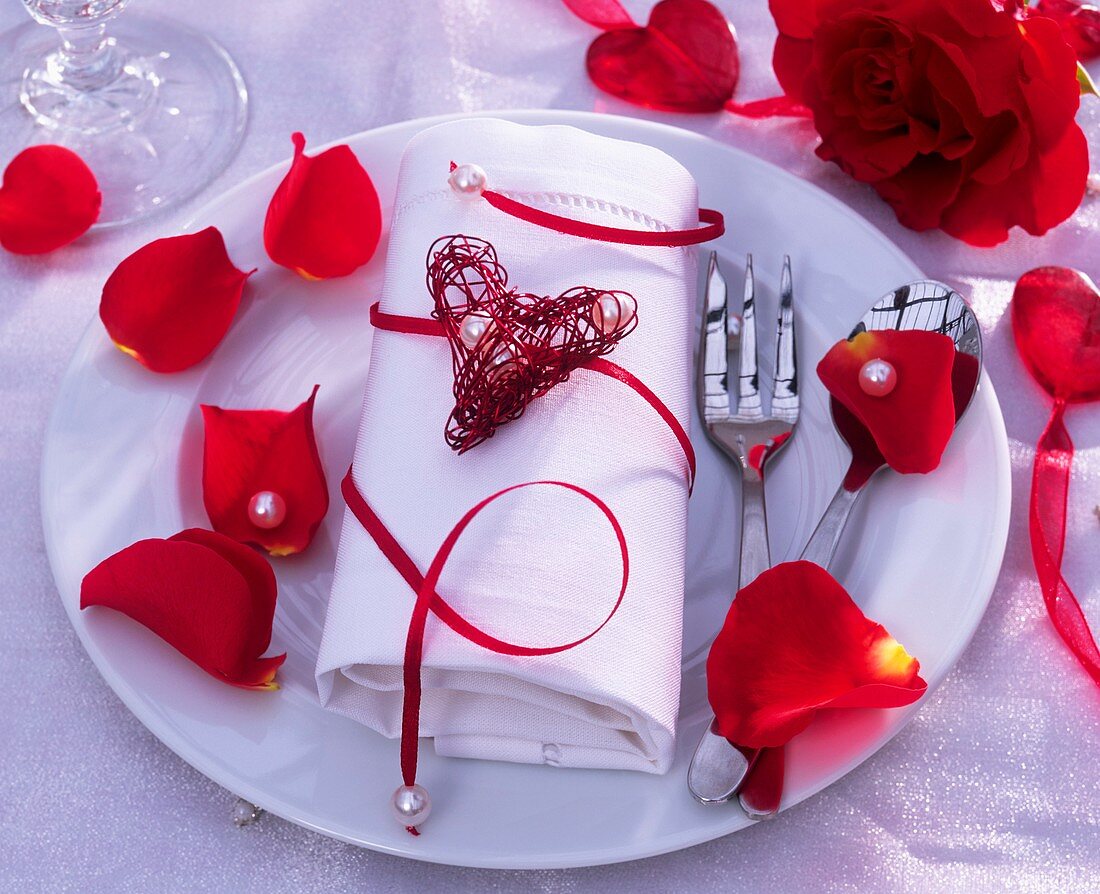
column 510, row 347
column 1056, row 321
column 684, row 59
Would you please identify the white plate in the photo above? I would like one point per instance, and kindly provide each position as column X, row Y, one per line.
column 122, row 462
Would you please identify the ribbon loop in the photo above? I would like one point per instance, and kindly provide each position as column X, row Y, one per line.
column 1047, row 521
column 429, row 600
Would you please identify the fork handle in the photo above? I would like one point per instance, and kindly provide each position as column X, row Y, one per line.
column 755, row 554
column 717, row 767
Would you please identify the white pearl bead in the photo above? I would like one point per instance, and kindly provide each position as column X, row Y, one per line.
column 877, row 378
column 501, row 363
column 468, row 180
column 411, row 805
column 473, row 327
column 266, row 510
column 245, row 812
column 612, row 313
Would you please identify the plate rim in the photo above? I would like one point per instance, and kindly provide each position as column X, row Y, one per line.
column 128, row 694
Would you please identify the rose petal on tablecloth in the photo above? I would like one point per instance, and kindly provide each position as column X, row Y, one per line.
column 49, row 197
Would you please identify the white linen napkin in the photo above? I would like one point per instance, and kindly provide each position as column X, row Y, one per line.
column 541, row 565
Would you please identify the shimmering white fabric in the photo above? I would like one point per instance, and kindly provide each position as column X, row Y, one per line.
column 992, row 788
column 541, row 566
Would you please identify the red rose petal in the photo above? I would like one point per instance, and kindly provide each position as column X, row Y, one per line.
column 258, row 577
column 49, row 197
column 324, row 219
column 793, row 643
column 913, row 423
column 249, row 451
column 171, row 301
column 1056, row 322
column 210, row 598
column 684, row 60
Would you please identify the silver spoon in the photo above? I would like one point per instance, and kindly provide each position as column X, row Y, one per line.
column 926, row 305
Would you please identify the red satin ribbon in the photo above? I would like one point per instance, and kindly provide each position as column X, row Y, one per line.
column 1049, row 492
column 429, row 600
column 772, row 107
column 714, row 225
column 426, row 326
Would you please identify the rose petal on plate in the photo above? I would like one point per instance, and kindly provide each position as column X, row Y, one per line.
column 171, row 302
column 324, row 219
column 794, row 643
column 49, row 197
column 248, row 452
column 683, row 60
column 913, row 423
column 207, row 596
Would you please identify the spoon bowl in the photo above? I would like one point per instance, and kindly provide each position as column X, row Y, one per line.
column 922, row 305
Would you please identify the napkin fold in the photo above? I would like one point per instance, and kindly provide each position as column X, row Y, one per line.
column 540, row 566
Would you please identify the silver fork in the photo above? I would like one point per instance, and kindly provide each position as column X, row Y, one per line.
column 738, row 425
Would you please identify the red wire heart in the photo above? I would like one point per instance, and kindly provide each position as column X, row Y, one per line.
column 510, row 347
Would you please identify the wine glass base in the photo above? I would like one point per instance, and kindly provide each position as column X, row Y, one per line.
column 57, row 105
column 154, row 136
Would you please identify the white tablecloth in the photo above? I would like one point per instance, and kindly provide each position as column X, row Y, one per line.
column 994, row 787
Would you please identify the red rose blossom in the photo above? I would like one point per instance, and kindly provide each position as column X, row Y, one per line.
column 958, row 112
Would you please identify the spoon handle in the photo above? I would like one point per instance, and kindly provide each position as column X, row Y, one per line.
column 822, row 544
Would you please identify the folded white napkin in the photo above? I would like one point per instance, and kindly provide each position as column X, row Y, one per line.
column 540, row 566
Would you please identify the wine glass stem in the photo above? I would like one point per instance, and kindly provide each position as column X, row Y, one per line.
column 87, row 60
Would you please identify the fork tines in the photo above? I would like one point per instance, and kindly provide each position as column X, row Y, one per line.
column 785, row 391
column 713, row 362
column 724, row 334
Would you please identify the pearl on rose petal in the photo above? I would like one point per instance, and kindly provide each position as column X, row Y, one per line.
column 266, row 509
column 411, row 805
column 877, row 378
column 473, row 327
column 468, row 180
column 612, row 312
